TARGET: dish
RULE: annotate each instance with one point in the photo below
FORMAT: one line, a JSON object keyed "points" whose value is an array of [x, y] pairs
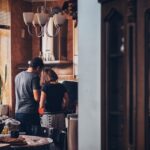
{"points": [[13, 141]]}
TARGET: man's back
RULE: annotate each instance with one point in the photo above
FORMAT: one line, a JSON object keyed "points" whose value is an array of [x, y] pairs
{"points": [[25, 82], [27, 87]]}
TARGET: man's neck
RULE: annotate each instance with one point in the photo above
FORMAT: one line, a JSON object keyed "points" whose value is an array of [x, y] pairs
{"points": [[30, 69]]}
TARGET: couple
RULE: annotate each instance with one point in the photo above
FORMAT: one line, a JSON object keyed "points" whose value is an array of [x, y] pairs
{"points": [[31, 97]]}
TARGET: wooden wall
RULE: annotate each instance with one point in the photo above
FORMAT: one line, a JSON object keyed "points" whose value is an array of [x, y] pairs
{"points": [[5, 66], [25, 47], [65, 72], [21, 48]]}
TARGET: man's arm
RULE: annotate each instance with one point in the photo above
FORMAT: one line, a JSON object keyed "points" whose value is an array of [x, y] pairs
{"points": [[36, 94], [42, 103], [36, 89]]}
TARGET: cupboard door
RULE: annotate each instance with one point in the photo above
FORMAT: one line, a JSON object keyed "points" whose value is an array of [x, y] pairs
{"points": [[125, 74], [147, 77], [115, 78], [143, 65]]}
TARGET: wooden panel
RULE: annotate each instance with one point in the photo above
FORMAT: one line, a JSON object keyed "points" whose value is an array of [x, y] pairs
{"points": [[114, 76], [4, 13], [5, 66], [147, 77], [21, 47], [140, 63], [5, 52], [137, 51], [104, 1], [115, 81]]}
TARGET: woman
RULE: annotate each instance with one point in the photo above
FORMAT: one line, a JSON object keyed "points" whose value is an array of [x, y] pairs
{"points": [[54, 101]]}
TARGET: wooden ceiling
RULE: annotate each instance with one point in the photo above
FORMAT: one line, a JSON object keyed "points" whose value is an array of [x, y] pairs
{"points": [[69, 7]]}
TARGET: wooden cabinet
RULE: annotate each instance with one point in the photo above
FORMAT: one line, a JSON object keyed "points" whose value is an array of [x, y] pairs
{"points": [[54, 49], [58, 52], [115, 77], [118, 101], [147, 78], [125, 74]]}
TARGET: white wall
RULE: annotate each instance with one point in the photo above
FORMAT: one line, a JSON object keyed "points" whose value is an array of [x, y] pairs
{"points": [[89, 74]]}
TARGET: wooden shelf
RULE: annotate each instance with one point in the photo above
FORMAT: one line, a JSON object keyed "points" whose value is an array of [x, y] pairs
{"points": [[58, 62], [62, 63]]}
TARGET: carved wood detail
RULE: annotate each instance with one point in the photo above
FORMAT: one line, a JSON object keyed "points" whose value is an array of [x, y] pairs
{"points": [[104, 1], [147, 77], [131, 12]]}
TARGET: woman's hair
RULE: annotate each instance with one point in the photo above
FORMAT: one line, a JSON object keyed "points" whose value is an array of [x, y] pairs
{"points": [[53, 76]]}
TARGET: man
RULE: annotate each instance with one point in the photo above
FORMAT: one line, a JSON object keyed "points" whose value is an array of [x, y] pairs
{"points": [[27, 91]]}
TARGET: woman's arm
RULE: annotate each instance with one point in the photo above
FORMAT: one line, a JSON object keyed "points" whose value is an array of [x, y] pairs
{"points": [[42, 100]]}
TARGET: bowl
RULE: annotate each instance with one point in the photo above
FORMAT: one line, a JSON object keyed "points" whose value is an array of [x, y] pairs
{"points": [[14, 134], [13, 127], [12, 124]]}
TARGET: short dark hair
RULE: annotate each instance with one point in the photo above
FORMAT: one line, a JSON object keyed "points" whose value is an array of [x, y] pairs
{"points": [[53, 76], [36, 62]]}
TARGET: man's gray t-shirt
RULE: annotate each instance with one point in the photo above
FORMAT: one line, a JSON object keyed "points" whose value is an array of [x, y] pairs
{"points": [[25, 83]]}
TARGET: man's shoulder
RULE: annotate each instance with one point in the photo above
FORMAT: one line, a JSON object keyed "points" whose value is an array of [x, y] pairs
{"points": [[27, 74], [19, 74]]}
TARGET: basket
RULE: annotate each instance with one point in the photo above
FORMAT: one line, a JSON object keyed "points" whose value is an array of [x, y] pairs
{"points": [[46, 120]]}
